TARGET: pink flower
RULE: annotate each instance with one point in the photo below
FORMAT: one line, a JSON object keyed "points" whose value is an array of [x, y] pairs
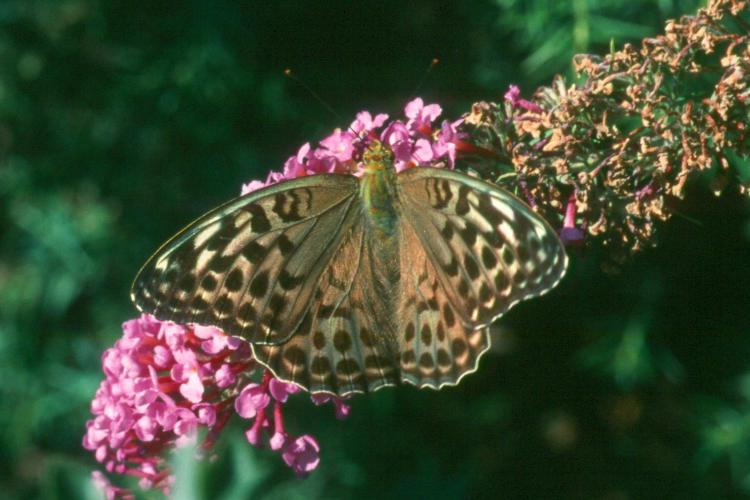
{"points": [[145, 428], [513, 96], [396, 135], [445, 146], [422, 153], [165, 381], [254, 434], [413, 143], [252, 399], [110, 491], [339, 145], [187, 371], [342, 409], [206, 414], [570, 234], [277, 441], [162, 356], [215, 340], [225, 376], [295, 165], [251, 186], [173, 334], [274, 177], [421, 116], [302, 455], [281, 390], [366, 123]]}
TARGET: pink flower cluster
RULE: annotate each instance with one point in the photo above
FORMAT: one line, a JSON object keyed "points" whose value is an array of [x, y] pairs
{"points": [[415, 142], [164, 381]]}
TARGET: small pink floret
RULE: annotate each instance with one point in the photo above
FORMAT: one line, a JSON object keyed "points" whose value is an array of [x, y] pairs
{"points": [[302, 455]]}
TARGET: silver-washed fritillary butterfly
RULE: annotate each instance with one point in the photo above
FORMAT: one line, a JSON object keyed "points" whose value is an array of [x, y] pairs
{"points": [[344, 284]]}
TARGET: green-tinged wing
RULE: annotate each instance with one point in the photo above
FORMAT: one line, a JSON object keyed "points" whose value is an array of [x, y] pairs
{"points": [[251, 266]]}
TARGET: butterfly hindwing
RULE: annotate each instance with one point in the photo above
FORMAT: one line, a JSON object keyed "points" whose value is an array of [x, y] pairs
{"points": [[248, 267], [341, 347], [436, 347]]}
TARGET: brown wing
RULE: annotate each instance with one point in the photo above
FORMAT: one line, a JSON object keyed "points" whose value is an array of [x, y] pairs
{"points": [[437, 348], [342, 345], [250, 266]]}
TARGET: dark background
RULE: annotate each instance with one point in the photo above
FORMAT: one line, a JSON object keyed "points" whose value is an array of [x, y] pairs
{"points": [[121, 121]]}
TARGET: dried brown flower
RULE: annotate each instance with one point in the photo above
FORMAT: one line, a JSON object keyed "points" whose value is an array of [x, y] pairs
{"points": [[619, 145]]}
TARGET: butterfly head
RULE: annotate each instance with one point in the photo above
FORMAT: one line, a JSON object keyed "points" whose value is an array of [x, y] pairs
{"points": [[377, 156]]}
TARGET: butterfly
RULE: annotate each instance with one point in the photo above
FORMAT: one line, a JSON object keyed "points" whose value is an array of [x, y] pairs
{"points": [[345, 284]]}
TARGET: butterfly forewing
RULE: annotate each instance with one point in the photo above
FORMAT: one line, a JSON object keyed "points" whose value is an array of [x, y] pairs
{"points": [[250, 266], [490, 250]]}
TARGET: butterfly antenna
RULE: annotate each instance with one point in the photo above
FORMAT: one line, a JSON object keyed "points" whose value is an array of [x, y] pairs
{"points": [[435, 61], [290, 74]]}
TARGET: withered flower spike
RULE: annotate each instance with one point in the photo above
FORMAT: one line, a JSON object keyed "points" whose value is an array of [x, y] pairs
{"points": [[627, 139]]}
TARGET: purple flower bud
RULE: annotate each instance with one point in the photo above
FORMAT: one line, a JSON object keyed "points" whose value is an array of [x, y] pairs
{"points": [[277, 441], [253, 434], [570, 234], [513, 96], [342, 409]]}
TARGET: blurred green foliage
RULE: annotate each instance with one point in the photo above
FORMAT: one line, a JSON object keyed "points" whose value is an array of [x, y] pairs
{"points": [[121, 121]]}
